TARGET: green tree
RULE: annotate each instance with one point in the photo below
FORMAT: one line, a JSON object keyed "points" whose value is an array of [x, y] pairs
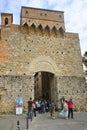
{"points": [[84, 59]]}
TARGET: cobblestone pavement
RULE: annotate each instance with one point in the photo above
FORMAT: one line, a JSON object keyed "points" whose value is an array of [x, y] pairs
{"points": [[44, 122]]}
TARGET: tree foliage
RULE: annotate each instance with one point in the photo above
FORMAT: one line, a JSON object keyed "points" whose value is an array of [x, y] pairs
{"points": [[84, 59]]}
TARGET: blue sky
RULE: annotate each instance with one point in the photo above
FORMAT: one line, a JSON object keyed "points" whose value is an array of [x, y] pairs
{"points": [[75, 14]]}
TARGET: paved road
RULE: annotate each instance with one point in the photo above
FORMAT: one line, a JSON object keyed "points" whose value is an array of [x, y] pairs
{"points": [[44, 122]]}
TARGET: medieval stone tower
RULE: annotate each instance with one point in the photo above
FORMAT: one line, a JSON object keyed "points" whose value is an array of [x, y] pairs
{"points": [[39, 59]]}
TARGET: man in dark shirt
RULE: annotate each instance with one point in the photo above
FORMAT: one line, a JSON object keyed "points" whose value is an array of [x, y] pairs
{"points": [[30, 105]]}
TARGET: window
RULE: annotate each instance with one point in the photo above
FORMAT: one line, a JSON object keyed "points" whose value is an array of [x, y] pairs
{"points": [[6, 21]]}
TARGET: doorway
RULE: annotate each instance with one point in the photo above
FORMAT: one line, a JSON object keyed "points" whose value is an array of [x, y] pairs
{"points": [[44, 85]]}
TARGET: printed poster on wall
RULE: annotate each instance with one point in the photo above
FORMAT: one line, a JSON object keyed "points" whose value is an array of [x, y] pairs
{"points": [[19, 106]]}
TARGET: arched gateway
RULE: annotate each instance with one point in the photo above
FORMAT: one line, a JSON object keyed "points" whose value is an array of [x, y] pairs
{"points": [[44, 71]]}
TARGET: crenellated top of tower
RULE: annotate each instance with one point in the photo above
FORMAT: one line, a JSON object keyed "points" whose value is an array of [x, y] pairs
{"points": [[42, 17]]}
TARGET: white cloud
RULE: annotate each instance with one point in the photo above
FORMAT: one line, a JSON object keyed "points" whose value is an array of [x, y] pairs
{"points": [[76, 21], [75, 13]]}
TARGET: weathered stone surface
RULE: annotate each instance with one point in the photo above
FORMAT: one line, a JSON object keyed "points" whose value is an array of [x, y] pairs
{"points": [[41, 46]]}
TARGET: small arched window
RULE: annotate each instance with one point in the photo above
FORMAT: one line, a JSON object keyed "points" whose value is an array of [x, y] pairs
{"points": [[6, 21], [25, 25], [54, 29], [61, 30], [47, 28], [33, 26], [40, 27]]}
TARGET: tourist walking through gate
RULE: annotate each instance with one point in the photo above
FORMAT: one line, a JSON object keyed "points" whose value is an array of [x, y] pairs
{"points": [[34, 107], [52, 110], [30, 109]]}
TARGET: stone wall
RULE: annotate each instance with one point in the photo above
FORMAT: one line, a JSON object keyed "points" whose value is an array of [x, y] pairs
{"points": [[12, 87], [74, 87], [21, 49]]}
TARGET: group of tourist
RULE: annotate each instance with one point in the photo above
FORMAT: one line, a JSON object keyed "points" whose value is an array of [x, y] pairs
{"points": [[42, 106], [67, 108]]}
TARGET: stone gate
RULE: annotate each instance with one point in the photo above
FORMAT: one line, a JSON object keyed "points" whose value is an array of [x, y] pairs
{"points": [[38, 58]]}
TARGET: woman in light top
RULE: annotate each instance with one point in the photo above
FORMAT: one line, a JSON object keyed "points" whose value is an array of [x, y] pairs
{"points": [[64, 112]]}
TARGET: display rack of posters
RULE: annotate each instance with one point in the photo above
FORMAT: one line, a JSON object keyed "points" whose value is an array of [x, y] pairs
{"points": [[19, 106]]}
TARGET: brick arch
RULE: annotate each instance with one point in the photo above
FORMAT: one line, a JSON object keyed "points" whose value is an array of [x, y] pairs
{"points": [[43, 63]]}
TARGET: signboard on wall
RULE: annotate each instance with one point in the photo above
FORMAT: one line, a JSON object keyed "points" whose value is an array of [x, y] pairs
{"points": [[19, 106]]}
